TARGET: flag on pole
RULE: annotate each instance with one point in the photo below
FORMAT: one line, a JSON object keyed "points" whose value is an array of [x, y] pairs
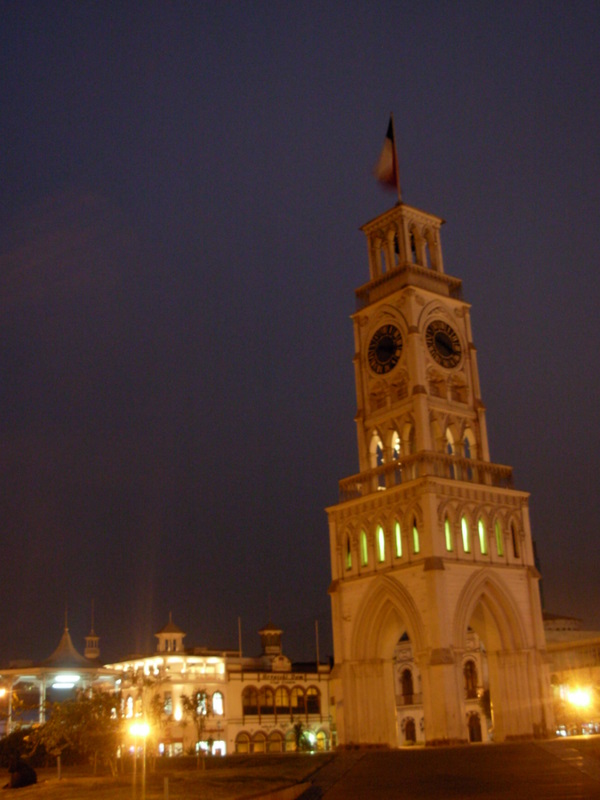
{"points": [[386, 169]]}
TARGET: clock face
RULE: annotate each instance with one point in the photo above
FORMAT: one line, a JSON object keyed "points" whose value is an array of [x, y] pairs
{"points": [[385, 349], [443, 344]]}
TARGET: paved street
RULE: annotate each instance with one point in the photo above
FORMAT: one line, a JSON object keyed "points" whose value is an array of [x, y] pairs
{"points": [[561, 770]]}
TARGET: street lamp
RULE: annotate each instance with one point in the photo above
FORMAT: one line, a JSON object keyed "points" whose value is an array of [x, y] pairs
{"points": [[139, 730], [581, 700]]}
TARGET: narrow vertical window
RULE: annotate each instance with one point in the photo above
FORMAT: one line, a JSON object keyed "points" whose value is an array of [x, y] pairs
{"points": [[515, 540], [464, 527], [348, 553], [380, 543], [482, 537], [499, 547], [398, 539], [416, 543], [364, 552], [448, 535]]}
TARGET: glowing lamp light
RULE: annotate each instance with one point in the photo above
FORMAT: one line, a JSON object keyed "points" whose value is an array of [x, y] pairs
{"points": [[2, 692], [66, 680], [580, 698], [140, 729], [177, 714]]}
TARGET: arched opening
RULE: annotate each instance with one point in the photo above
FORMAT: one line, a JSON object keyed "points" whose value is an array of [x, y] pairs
{"points": [[482, 538], [448, 535], [298, 701], [407, 686], [451, 451], [498, 682], [475, 734], [381, 651], [466, 536], [515, 540], [266, 701], [322, 741], [282, 702], [416, 539], [376, 451], [380, 544], [348, 553], [275, 742], [410, 731], [250, 701], [499, 543], [377, 458], [364, 549], [397, 539], [313, 700], [470, 676]]}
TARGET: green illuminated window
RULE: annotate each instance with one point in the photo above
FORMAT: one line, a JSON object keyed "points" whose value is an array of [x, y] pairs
{"points": [[464, 526], [416, 543], [398, 539], [482, 538], [364, 551], [380, 543], [499, 547], [448, 534]]}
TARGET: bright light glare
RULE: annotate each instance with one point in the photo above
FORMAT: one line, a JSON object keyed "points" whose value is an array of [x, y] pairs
{"points": [[63, 685], [141, 729], [67, 678], [579, 697], [2, 692], [177, 714]]}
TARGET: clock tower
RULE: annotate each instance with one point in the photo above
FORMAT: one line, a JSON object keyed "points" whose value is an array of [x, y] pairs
{"points": [[430, 542]]}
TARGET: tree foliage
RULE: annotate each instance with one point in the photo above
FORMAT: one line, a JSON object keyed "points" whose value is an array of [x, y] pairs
{"points": [[87, 725], [196, 708]]}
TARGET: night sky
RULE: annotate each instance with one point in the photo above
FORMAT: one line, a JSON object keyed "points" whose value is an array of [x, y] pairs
{"points": [[181, 190]]}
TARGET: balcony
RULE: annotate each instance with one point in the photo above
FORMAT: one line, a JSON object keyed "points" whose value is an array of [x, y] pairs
{"points": [[409, 699], [422, 465], [404, 275]]}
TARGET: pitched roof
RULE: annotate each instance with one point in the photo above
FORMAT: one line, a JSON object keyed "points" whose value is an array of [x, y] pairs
{"points": [[66, 655]]}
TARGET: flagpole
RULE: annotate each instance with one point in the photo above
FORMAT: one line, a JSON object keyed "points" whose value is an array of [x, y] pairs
{"points": [[395, 159]]}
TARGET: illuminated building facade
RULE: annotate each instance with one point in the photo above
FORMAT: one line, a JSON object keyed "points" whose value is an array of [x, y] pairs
{"points": [[27, 688], [575, 664], [430, 543], [243, 704]]}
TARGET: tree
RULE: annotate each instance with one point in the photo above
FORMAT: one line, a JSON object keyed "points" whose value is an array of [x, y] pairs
{"points": [[300, 737], [87, 724], [196, 709]]}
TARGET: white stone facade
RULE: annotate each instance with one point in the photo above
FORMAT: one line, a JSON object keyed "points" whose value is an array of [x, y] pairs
{"points": [[430, 540]]}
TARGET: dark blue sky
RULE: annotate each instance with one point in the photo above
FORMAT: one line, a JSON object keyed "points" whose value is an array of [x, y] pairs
{"points": [[182, 186]]}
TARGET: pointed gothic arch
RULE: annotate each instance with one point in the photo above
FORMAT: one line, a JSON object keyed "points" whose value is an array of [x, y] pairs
{"points": [[387, 609], [485, 591]]}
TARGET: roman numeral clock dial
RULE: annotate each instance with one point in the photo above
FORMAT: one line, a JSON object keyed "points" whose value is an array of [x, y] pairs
{"points": [[443, 344], [385, 349]]}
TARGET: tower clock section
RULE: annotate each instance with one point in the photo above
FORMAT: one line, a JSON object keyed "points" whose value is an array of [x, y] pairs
{"points": [[415, 364]]}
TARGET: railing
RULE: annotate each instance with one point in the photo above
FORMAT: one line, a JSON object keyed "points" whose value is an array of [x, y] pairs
{"points": [[407, 274], [421, 465], [409, 699]]}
